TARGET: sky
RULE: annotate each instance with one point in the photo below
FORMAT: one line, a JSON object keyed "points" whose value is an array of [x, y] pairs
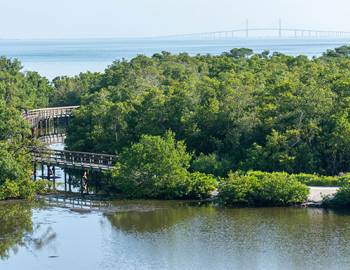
{"points": [[44, 19]]}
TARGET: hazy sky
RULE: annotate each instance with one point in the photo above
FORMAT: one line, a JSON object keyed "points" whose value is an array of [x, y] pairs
{"points": [[125, 18]]}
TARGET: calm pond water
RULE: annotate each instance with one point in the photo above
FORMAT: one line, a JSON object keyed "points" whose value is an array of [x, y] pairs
{"points": [[171, 235]]}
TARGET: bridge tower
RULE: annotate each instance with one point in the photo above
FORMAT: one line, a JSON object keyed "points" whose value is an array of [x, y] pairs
{"points": [[247, 28], [279, 28]]}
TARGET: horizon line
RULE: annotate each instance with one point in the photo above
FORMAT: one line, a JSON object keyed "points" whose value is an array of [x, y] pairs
{"points": [[237, 30]]}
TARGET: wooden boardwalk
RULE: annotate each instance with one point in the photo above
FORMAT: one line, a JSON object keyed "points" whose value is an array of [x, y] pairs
{"points": [[62, 158], [53, 139], [34, 117], [74, 159]]}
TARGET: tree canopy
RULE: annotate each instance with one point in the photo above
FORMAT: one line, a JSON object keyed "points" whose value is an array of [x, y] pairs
{"points": [[270, 112], [18, 91]]}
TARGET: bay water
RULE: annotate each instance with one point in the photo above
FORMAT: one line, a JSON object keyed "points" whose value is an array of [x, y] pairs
{"points": [[52, 58]]}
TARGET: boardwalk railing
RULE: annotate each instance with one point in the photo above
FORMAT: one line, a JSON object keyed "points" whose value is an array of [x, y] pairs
{"points": [[72, 159], [54, 138], [35, 116], [63, 158]]}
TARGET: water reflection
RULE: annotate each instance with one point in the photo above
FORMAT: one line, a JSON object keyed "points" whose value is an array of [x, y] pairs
{"points": [[17, 229], [211, 238], [172, 235], [153, 216]]}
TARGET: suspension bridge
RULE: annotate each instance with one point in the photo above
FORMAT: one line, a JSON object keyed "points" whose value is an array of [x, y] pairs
{"points": [[262, 32]]}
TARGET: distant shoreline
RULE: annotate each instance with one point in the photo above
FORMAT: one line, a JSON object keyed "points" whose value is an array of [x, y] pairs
{"points": [[70, 57]]}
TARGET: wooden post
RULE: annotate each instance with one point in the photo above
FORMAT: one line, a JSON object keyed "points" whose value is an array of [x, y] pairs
{"points": [[39, 128], [69, 181], [54, 177], [81, 185], [65, 181], [94, 175], [48, 172], [54, 120], [42, 171], [34, 170], [88, 178], [57, 124], [49, 126]]}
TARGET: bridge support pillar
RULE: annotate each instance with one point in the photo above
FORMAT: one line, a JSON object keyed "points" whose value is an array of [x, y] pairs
{"points": [[54, 178], [34, 171], [54, 120], [94, 176], [65, 181], [81, 186], [39, 128], [42, 171], [48, 126], [69, 181]]}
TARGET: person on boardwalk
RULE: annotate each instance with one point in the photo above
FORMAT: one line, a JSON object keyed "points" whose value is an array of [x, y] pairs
{"points": [[85, 181], [50, 174]]}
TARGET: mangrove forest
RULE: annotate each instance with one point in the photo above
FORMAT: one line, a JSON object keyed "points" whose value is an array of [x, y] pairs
{"points": [[256, 127]]}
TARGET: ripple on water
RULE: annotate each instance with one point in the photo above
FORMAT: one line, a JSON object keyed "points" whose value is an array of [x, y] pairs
{"points": [[173, 235]]}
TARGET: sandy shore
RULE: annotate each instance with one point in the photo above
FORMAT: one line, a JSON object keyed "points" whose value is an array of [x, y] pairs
{"points": [[316, 193]]}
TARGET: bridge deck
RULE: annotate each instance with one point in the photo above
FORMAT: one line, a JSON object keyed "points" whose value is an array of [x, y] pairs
{"points": [[62, 158], [35, 116], [72, 159]]}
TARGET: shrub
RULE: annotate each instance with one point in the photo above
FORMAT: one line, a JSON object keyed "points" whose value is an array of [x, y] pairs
{"points": [[262, 189], [42, 186], [25, 189], [155, 167], [319, 180], [9, 190], [309, 179], [200, 185], [340, 200]]}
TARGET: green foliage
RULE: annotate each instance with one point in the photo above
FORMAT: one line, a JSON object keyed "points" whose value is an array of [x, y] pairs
{"points": [[15, 165], [68, 91], [42, 186], [309, 179], [343, 51], [22, 189], [200, 185], [235, 111], [18, 91], [240, 53], [22, 90], [157, 167], [262, 189], [153, 168], [9, 190], [210, 164], [320, 180], [340, 200]]}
